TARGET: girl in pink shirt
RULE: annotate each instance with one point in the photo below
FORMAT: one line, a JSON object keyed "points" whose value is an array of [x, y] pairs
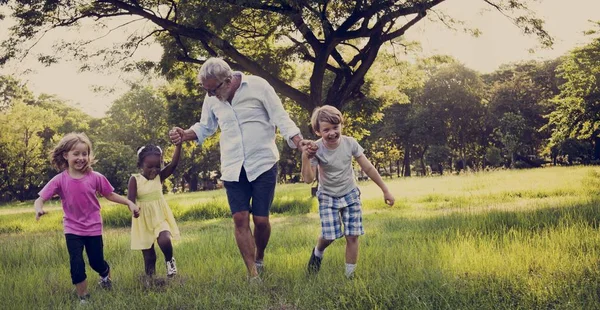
{"points": [[77, 186]]}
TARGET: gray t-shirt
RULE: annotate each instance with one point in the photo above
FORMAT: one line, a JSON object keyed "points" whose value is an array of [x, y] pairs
{"points": [[336, 176]]}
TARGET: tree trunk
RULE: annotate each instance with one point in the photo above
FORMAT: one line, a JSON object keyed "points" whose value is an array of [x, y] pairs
{"points": [[406, 163], [194, 182], [462, 158], [422, 159], [597, 147], [512, 160]]}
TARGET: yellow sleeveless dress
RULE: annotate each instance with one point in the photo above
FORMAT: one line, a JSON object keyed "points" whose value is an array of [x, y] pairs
{"points": [[155, 214]]}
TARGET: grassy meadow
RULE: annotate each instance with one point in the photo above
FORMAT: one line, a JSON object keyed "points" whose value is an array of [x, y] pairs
{"points": [[524, 239]]}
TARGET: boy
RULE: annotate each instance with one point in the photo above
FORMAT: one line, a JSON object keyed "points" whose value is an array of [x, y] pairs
{"points": [[338, 193]]}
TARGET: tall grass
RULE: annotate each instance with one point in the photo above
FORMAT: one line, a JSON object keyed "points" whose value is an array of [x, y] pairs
{"points": [[500, 240]]}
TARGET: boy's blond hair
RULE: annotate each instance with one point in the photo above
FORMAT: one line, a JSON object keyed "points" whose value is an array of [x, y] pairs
{"points": [[67, 143], [326, 113]]}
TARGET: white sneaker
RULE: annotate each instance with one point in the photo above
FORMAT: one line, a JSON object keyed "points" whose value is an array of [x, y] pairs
{"points": [[171, 268]]}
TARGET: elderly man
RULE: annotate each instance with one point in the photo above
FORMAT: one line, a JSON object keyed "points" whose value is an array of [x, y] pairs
{"points": [[247, 109]]}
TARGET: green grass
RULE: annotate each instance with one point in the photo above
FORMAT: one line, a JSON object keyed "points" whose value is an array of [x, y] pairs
{"points": [[523, 239]]}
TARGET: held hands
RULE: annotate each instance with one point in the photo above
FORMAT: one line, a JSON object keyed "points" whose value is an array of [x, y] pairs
{"points": [[309, 148], [176, 135], [134, 210], [389, 198]]}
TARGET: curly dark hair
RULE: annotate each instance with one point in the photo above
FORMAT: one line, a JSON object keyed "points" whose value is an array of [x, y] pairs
{"points": [[145, 151]]}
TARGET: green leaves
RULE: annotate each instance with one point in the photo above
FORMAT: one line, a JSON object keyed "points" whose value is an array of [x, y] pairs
{"points": [[24, 148], [577, 113]]}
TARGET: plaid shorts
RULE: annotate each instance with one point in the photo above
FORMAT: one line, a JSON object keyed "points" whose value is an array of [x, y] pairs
{"points": [[335, 210]]}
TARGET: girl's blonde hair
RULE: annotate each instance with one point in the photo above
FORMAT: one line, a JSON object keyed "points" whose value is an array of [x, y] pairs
{"points": [[67, 143], [326, 113]]}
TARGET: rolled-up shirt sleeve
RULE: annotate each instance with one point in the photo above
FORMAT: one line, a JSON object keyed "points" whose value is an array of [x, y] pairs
{"points": [[279, 116], [207, 126]]}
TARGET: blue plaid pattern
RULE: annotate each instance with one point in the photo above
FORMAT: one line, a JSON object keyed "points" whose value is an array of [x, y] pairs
{"points": [[334, 211]]}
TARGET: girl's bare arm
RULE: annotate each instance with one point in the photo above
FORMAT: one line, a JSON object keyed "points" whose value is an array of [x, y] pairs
{"points": [[170, 168]]}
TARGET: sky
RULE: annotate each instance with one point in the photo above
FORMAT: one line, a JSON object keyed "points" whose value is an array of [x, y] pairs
{"points": [[500, 42]]}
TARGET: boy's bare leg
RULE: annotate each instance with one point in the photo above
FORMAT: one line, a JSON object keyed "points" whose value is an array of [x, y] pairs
{"points": [[322, 244], [351, 255], [314, 263], [351, 249]]}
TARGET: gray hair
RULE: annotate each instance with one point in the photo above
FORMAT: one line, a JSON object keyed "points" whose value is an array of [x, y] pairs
{"points": [[215, 68]]}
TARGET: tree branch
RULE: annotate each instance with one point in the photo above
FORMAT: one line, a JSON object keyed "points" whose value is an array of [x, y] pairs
{"points": [[137, 44], [367, 32], [402, 30], [263, 7], [111, 30]]}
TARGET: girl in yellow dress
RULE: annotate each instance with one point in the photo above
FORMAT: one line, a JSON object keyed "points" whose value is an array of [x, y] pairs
{"points": [[156, 221]]}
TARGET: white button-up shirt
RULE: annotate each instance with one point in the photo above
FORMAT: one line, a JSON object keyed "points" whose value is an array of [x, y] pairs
{"points": [[247, 128]]}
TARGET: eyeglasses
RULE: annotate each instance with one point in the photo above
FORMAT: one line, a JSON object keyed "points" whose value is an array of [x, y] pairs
{"points": [[213, 92]]}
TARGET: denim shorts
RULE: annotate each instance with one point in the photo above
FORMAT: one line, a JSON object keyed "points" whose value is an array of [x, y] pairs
{"points": [[333, 211], [255, 197]]}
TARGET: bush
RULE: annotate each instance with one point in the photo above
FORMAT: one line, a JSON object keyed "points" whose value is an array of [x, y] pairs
{"points": [[493, 155], [519, 164]]}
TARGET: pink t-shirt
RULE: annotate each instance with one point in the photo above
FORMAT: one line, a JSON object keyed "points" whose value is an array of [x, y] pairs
{"points": [[79, 201]]}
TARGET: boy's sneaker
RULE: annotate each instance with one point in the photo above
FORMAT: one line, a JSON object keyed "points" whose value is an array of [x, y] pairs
{"points": [[105, 283], [314, 264], [171, 268]]}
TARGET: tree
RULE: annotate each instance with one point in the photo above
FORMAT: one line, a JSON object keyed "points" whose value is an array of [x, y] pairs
{"points": [[340, 39], [523, 89], [12, 90], [116, 161], [408, 122], [577, 113], [198, 164], [138, 118], [455, 95], [24, 156], [72, 119], [510, 133], [437, 157]]}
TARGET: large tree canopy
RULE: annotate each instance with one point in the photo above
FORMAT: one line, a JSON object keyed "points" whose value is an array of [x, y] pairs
{"points": [[577, 111], [340, 39]]}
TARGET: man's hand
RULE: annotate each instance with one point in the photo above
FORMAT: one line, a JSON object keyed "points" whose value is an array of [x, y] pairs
{"points": [[176, 135]]}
